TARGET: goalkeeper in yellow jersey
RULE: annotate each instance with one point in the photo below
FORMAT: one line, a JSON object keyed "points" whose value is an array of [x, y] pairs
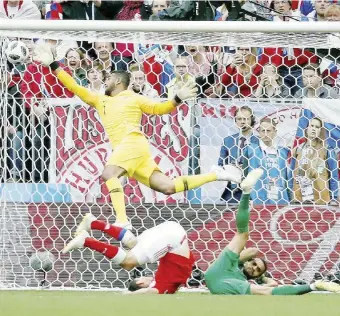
{"points": [[120, 112]]}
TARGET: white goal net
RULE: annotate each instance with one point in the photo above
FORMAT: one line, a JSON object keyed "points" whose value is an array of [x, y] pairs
{"points": [[267, 98]]}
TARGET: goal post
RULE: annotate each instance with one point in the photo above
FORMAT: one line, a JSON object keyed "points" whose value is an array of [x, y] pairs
{"points": [[311, 34], [52, 157]]}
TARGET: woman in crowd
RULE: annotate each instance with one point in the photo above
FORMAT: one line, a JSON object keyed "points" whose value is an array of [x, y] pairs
{"points": [[314, 167], [95, 77], [198, 63], [283, 11]]}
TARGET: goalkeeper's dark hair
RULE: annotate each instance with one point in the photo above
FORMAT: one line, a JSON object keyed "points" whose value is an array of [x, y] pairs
{"points": [[123, 75], [133, 286]]}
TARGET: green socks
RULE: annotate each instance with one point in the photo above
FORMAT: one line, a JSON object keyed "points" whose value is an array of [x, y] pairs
{"points": [[242, 216]]}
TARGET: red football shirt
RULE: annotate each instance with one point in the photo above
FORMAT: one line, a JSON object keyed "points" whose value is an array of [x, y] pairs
{"points": [[173, 271]]}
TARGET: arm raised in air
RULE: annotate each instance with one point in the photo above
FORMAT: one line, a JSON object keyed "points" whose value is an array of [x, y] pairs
{"points": [[44, 54]]}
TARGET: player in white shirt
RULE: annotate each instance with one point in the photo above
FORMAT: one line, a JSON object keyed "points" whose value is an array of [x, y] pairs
{"points": [[166, 243]]}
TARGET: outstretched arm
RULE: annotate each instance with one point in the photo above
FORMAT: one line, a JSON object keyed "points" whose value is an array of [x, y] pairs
{"points": [[44, 54], [89, 97], [148, 106]]}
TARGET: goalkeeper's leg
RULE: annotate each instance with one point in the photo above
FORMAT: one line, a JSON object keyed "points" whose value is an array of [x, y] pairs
{"points": [[111, 175], [161, 183]]}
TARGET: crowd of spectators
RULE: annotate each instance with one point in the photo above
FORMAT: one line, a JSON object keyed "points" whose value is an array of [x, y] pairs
{"points": [[159, 70]]}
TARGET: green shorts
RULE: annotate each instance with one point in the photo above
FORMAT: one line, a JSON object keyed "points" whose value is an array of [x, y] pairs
{"points": [[224, 276]]}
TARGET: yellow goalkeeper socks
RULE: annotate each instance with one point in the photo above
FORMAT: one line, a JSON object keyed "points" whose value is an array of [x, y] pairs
{"points": [[117, 199], [186, 183]]}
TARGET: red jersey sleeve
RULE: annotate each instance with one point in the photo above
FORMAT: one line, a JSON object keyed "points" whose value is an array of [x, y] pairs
{"points": [[173, 272]]}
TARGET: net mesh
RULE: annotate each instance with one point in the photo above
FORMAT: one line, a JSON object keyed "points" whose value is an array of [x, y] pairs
{"points": [[253, 110]]}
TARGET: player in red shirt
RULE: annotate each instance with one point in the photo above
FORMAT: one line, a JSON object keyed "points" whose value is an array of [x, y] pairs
{"points": [[166, 243]]}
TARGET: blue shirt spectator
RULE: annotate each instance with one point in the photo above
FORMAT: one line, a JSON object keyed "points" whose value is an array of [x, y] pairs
{"points": [[233, 146], [273, 188]]}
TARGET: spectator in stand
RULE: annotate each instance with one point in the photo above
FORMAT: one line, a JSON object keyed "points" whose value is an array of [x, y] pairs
{"points": [[313, 85], [332, 13], [182, 76], [103, 53], [233, 146], [42, 5], [83, 10], [241, 76], [39, 83], [314, 11], [75, 59], [158, 66], [95, 77], [198, 63], [189, 11], [123, 53], [314, 167], [200, 67], [236, 10], [140, 85], [270, 84], [290, 62], [157, 59], [273, 187], [157, 6], [282, 11], [19, 10]]}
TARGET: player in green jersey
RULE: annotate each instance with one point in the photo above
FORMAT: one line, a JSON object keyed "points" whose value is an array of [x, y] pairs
{"points": [[230, 273]]}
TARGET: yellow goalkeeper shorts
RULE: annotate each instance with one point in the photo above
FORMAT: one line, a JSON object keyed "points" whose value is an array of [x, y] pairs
{"points": [[134, 156]]}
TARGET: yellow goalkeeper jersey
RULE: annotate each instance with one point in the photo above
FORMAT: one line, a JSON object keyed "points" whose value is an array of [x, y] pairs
{"points": [[121, 114]]}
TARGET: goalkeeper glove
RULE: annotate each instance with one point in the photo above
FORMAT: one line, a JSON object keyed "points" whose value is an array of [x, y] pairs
{"points": [[188, 91], [44, 54]]}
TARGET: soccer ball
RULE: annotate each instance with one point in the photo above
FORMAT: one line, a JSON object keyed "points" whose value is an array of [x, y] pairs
{"points": [[17, 52], [42, 261]]}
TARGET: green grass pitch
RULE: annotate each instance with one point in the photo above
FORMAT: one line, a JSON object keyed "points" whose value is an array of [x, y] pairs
{"points": [[59, 303]]}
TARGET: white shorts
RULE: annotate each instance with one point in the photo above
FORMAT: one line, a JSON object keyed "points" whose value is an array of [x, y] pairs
{"points": [[156, 242]]}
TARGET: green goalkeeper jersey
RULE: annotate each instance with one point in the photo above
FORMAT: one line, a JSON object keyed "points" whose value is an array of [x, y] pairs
{"points": [[225, 275]]}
